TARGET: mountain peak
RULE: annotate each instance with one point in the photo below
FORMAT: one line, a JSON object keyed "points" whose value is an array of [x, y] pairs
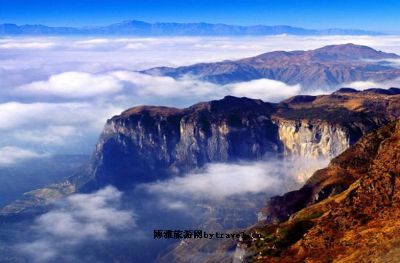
{"points": [[353, 50]]}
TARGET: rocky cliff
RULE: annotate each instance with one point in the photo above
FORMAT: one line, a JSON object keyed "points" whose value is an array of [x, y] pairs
{"points": [[312, 139], [347, 212], [147, 143]]}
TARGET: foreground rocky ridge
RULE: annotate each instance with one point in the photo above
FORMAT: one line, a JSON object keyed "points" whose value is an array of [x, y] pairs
{"points": [[347, 212]]}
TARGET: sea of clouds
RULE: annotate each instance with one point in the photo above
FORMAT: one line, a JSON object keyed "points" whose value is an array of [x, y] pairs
{"points": [[229, 194], [74, 221], [56, 93]]}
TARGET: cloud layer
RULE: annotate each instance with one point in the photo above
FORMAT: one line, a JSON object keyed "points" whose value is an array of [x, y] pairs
{"points": [[79, 218], [78, 83], [362, 85], [73, 85], [264, 89], [221, 180], [10, 155]]}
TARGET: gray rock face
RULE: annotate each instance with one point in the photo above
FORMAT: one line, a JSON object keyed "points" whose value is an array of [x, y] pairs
{"points": [[150, 143], [313, 139]]}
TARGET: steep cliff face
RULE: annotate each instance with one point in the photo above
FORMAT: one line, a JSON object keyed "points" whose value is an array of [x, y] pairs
{"points": [[312, 139], [353, 219], [339, 175], [148, 143]]}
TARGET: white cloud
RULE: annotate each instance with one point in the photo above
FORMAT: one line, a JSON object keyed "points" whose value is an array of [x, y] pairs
{"points": [[15, 114], [55, 127], [73, 85], [77, 219], [93, 41], [264, 89], [197, 90], [219, 181], [26, 45], [51, 135], [149, 86], [136, 46], [175, 51], [150, 89], [40, 250], [362, 85], [10, 155]]}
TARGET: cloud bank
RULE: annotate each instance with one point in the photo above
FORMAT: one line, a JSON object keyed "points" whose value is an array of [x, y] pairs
{"points": [[264, 89], [78, 219], [362, 85], [10, 155], [73, 85], [222, 180], [50, 82]]}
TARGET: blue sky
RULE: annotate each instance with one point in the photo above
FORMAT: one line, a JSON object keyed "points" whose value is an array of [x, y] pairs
{"points": [[367, 14]]}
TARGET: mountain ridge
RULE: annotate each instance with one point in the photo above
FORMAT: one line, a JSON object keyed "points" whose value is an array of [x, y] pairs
{"points": [[135, 27], [322, 68]]}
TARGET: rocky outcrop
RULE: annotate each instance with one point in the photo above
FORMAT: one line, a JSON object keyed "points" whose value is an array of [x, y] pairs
{"points": [[148, 143], [347, 212], [312, 139]]}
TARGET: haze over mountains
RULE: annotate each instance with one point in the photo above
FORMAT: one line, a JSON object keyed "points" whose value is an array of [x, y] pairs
{"points": [[134, 27], [322, 68]]}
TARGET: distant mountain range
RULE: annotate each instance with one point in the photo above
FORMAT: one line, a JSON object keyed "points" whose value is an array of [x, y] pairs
{"points": [[141, 28], [326, 67]]}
